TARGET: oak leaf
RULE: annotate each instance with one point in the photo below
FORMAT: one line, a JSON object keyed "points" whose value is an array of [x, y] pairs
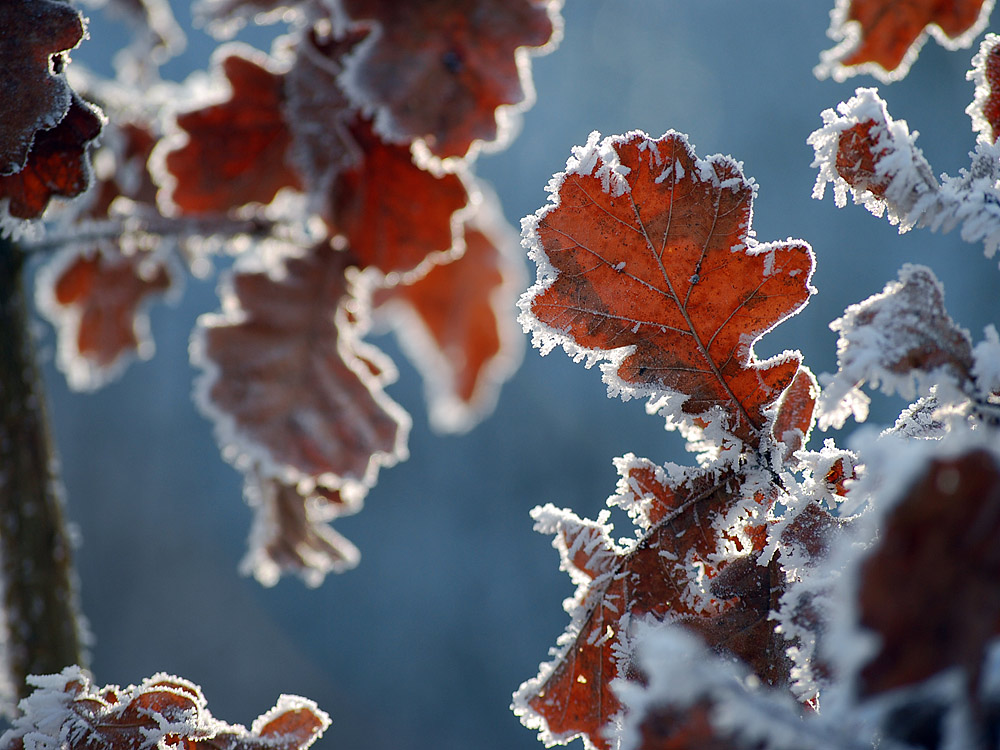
{"points": [[795, 412], [928, 586], [287, 380], [397, 218], [690, 526], [440, 70], [58, 164], [67, 710], [646, 258], [985, 107], [454, 323], [34, 93], [291, 532], [236, 151], [884, 37], [96, 300]]}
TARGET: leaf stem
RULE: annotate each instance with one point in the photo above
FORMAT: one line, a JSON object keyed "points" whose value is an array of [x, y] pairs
{"points": [[44, 632]]}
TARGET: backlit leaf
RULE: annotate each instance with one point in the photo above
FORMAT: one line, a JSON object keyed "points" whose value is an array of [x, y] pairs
{"points": [[33, 90], [397, 217], [646, 258], [96, 300], [456, 322], [67, 710], [287, 380], [985, 107], [58, 164], [236, 151], [884, 37], [796, 412], [438, 70]]}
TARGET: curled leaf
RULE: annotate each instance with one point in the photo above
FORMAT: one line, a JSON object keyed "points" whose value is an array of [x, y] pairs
{"points": [[35, 94], [287, 380]]}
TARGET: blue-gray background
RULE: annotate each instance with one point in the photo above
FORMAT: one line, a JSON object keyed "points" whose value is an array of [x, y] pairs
{"points": [[456, 600]]}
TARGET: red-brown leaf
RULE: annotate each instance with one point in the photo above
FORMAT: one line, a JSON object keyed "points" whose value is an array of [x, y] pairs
{"points": [[438, 70], [285, 382], [883, 37], [396, 216], [453, 323], [929, 588], [658, 576], [858, 153], [649, 248], [66, 710], [58, 163], [985, 108], [96, 300], [796, 413], [291, 532], [34, 99], [236, 151]]}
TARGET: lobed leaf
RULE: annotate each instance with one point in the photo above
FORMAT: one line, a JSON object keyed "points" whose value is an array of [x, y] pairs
{"points": [[57, 165], [235, 152], [902, 339], [454, 323], [646, 258], [884, 37], [440, 70], [694, 528], [287, 381], [67, 710], [35, 94], [96, 300]]}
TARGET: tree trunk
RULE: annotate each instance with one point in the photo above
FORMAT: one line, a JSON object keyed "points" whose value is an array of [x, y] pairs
{"points": [[40, 600]]}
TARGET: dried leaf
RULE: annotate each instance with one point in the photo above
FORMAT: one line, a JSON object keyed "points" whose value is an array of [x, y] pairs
{"points": [[985, 107], [928, 588], [884, 37], [96, 301], [58, 163], [287, 380], [796, 412], [902, 339], [439, 70], [688, 524], [397, 217], [66, 710], [647, 259], [35, 94], [455, 323], [291, 532], [236, 151]]}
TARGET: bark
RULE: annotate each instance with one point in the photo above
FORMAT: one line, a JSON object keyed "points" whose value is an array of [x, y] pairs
{"points": [[39, 591]]}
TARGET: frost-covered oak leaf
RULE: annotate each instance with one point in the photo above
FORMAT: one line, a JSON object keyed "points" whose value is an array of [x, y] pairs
{"points": [[291, 532], [795, 413], [928, 587], [397, 218], [884, 37], [96, 300], [693, 528], [985, 107], [66, 710], [646, 258], [288, 382], [902, 339], [440, 69], [33, 90], [456, 323], [58, 164], [234, 152]]}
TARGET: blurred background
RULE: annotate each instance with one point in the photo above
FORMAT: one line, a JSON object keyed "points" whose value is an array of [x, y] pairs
{"points": [[456, 600]]}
